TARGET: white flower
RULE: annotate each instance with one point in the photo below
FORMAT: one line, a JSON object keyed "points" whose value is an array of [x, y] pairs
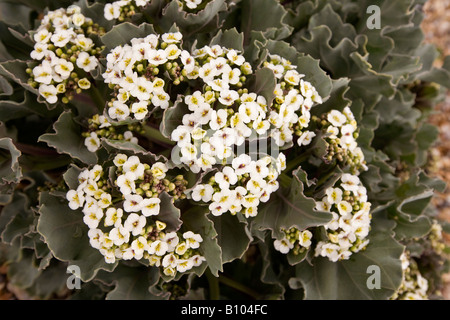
{"points": [[119, 111], [235, 58], [170, 260], [228, 97], [193, 240], [187, 60], [92, 142], [226, 177], [172, 240], [181, 135], [150, 207], [113, 217], [181, 248], [304, 238], [135, 224], [336, 118], [134, 165], [344, 207], [40, 50], [218, 119], [126, 183], [43, 73], [197, 260], [159, 170], [172, 37], [217, 209], [350, 182], [250, 200], [202, 192], [231, 76], [157, 57], [49, 92], [283, 245], [192, 4], [184, 265], [161, 99], [92, 218], [86, 62], [61, 37], [75, 198], [334, 195], [139, 245], [139, 109], [111, 11], [96, 237], [132, 203], [241, 164], [158, 247], [105, 200], [42, 36], [207, 72], [119, 235], [306, 138], [142, 89], [120, 159]]}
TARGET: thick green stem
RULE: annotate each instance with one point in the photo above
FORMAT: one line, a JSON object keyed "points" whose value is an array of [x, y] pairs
{"points": [[213, 282], [238, 286], [155, 135], [97, 98]]}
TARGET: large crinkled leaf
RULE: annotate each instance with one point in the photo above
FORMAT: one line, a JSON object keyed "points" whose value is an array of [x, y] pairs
{"points": [[266, 16], [192, 23], [10, 171], [172, 117], [289, 208], [121, 34], [66, 236], [24, 272], [168, 213], [347, 279], [197, 221], [130, 283], [67, 139], [229, 39], [263, 83], [19, 217], [233, 236]]}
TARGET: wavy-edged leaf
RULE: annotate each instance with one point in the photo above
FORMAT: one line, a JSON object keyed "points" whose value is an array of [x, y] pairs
{"points": [[347, 279], [289, 208], [19, 217], [67, 139], [230, 38], [66, 236], [196, 220], [122, 34], [168, 213]]}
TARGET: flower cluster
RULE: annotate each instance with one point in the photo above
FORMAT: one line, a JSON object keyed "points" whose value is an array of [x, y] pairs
{"points": [[341, 132], [122, 227], [295, 240], [240, 188], [294, 98], [100, 127], [123, 9], [347, 231], [66, 54], [132, 70], [414, 286]]}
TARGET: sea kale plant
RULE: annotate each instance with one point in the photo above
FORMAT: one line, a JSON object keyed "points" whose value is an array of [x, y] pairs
{"points": [[219, 149]]}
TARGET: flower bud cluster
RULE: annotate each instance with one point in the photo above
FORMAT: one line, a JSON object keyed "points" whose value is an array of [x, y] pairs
{"points": [[122, 214], [100, 127], [123, 9], [414, 286], [341, 132], [66, 55], [140, 74], [241, 187], [294, 241], [348, 230]]}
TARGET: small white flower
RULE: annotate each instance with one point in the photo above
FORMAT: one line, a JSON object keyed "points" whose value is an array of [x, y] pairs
{"points": [[158, 247], [161, 99], [293, 77], [150, 207], [202, 192], [159, 170], [193, 240], [344, 207], [42, 36], [192, 4], [139, 109], [111, 11], [133, 164], [172, 37], [61, 37], [142, 89], [172, 240], [126, 183], [139, 245], [283, 245], [40, 50], [49, 92], [350, 182], [184, 265], [92, 142], [96, 238], [241, 164], [334, 195], [120, 159], [157, 57], [228, 97], [170, 260], [305, 238], [113, 217], [75, 198], [306, 138], [119, 235], [226, 177], [86, 62], [92, 218], [235, 58], [336, 118], [197, 260], [135, 224], [119, 111], [132, 203], [218, 119]]}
